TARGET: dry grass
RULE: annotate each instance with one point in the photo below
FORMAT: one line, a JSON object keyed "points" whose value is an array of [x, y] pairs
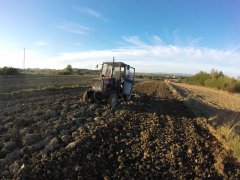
{"points": [[232, 140]]}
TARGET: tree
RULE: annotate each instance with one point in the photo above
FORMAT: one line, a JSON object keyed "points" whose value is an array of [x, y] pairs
{"points": [[215, 74], [68, 69], [8, 71]]}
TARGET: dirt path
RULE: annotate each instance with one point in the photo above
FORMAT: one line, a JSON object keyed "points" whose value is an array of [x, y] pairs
{"points": [[153, 136]]}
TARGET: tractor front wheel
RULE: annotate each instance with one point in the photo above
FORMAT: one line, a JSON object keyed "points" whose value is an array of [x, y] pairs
{"points": [[129, 96], [113, 100]]}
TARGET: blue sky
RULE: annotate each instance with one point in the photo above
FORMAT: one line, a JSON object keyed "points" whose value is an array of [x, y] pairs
{"points": [[154, 36]]}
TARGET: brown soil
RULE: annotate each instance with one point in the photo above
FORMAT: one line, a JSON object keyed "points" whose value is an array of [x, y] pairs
{"points": [[15, 83], [54, 135]]}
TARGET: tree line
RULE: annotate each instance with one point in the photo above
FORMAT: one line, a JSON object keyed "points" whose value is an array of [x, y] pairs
{"points": [[66, 71], [214, 79], [8, 71]]}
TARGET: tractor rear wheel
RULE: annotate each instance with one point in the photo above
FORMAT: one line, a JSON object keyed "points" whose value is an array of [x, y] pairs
{"points": [[113, 100], [87, 97]]}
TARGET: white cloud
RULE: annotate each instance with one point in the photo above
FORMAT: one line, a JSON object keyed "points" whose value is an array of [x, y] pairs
{"points": [[157, 40], [90, 12], [74, 28], [145, 57], [11, 57], [40, 43], [78, 44], [33, 59], [159, 58], [194, 41], [134, 40]]}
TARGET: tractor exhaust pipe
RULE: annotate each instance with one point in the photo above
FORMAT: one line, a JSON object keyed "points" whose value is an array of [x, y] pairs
{"points": [[112, 67]]}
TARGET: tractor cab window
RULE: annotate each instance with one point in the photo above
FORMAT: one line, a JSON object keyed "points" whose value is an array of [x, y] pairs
{"points": [[129, 73], [116, 72], [107, 70]]}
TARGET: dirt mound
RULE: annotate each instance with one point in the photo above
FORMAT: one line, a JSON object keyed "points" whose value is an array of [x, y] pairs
{"points": [[57, 136]]}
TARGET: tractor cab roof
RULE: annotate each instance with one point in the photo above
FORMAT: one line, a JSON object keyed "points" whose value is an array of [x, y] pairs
{"points": [[117, 64]]}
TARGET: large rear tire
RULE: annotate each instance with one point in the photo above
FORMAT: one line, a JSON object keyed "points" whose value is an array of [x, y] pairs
{"points": [[113, 100], [87, 97]]}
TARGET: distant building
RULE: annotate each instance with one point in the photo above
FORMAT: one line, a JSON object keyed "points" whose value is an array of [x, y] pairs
{"points": [[176, 80]]}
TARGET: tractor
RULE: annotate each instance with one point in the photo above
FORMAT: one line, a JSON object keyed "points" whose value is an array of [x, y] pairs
{"points": [[116, 81]]}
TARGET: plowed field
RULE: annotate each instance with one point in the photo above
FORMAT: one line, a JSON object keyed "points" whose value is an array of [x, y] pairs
{"points": [[10, 84], [221, 108], [54, 135]]}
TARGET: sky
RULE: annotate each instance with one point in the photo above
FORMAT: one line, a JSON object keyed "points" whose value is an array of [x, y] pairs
{"points": [[164, 36]]}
